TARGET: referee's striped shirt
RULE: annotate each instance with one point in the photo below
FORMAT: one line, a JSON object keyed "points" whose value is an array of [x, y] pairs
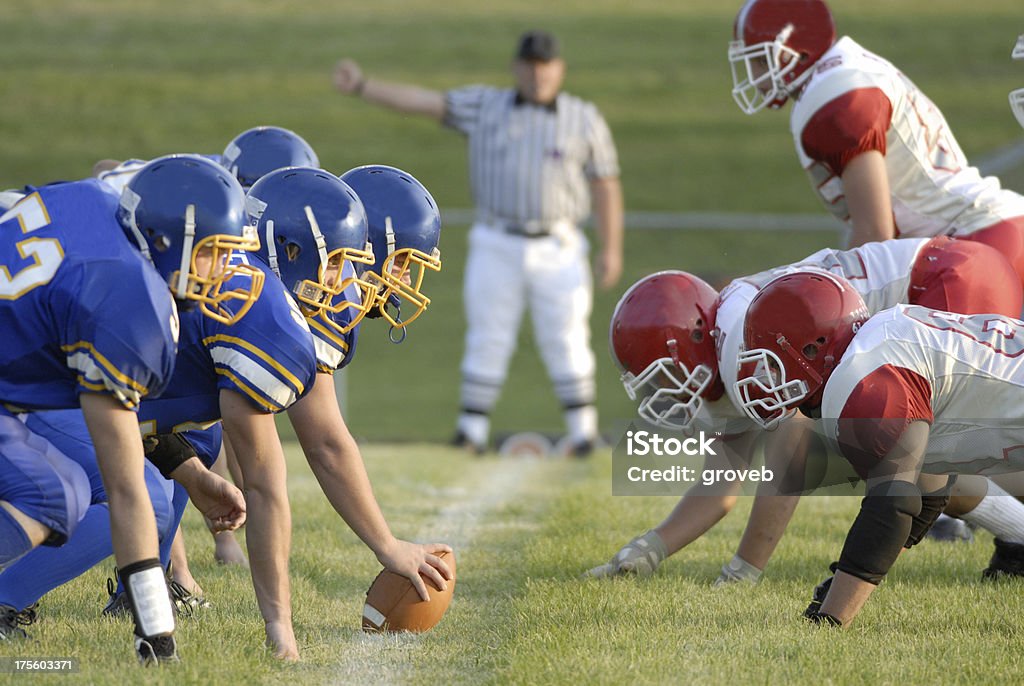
{"points": [[531, 162]]}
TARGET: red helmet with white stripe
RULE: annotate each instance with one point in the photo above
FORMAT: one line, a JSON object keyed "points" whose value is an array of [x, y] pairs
{"points": [[775, 44], [660, 337], [795, 333]]}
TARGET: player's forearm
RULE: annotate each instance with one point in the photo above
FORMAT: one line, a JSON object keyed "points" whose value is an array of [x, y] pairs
{"points": [[343, 478], [608, 213], [700, 509], [868, 199], [404, 98], [118, 445], [769, 518], [269, 543]]}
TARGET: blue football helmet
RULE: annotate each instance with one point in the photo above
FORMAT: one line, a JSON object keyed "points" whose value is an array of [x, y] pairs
{"points": [[187, 214], [405, 227], [310, 224], [259, 151]]}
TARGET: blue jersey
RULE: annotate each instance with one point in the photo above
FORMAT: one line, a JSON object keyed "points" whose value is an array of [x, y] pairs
{"points": [[267, 357], [81, 310]]}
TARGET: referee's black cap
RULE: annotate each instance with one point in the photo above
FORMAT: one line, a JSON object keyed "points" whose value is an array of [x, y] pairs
{"points": [[538, 46]]}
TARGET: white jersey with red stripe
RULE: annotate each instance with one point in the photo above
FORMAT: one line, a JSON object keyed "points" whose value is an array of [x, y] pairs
{"points": [[962, 373], [879, 271], [855, 102]]}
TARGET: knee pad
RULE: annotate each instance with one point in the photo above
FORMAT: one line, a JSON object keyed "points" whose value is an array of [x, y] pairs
{"points": [[932, 505], [880, 530]]}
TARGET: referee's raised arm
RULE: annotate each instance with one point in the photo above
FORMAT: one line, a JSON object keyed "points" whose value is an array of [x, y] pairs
{"points": [[350, 80]]}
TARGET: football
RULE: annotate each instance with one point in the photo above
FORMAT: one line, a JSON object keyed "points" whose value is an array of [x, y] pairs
{"points": [[392, 603]]}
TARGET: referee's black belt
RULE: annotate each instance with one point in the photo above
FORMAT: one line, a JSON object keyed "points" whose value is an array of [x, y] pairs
{"points": [[528, 229]]}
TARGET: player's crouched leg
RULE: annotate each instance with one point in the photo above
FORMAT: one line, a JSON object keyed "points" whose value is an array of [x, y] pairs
{"points": [[43, 496]]}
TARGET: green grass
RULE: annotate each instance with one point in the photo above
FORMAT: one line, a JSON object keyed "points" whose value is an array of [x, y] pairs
{"points": [[523, 531], [87, 79]]}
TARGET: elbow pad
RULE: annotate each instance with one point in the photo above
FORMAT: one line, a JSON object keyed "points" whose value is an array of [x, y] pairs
{"points": [[880, 530]]}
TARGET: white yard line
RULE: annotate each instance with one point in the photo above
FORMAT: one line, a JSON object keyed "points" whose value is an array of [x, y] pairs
{"points": [[388, 658]]}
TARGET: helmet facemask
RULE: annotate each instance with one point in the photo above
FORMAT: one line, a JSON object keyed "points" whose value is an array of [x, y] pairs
{"points": [[761, 80], [401, 276], [766, 395], [344, 269], [669, 393], [207, 265]]}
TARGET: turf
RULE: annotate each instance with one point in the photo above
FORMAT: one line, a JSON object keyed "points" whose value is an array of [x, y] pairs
{"points": [[523, 531]]}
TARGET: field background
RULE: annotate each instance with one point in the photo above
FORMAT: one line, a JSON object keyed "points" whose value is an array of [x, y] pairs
{"points": [[88, 79], [85, 79]]}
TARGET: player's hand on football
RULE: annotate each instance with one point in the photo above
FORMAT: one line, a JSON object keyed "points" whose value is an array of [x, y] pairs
{"points": [[348, 76], [608, 268], [413, 559]]}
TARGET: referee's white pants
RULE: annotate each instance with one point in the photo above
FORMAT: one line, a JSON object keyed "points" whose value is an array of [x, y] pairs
{"points": [[505, 272]]}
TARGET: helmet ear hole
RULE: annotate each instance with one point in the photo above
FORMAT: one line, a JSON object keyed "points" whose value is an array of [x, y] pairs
{"points": [[697, 336], [292, 250], [810, 351], [161, 243]]}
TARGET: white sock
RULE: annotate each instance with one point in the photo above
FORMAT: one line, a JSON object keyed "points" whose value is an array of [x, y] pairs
{"points": [[581, 424], [1000, 514], [475, 427]]}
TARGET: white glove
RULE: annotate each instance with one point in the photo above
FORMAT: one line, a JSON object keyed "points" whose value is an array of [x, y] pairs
{"points": [[639, 557], [738, 569]]}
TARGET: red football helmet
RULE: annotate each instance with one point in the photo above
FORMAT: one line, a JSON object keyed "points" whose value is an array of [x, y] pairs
{"points": [[795, 332], [660, 336], [775, 44]]}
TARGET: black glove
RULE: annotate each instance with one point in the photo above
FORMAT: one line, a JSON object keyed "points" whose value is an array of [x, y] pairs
{"points": [[820, 591]]}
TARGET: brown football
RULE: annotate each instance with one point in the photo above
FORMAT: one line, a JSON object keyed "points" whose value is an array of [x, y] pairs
{"points": [[392, 603]]}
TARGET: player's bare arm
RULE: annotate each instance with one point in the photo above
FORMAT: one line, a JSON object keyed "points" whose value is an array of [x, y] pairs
{"points": [[118, 443], [608, 219], [335, 460], [350, 80], [261, 459], [785, 453], [869, 199]]}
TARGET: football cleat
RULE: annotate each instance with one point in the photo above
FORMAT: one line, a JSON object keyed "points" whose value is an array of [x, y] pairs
{"points": [[461, 440], [156, 650], [186, 603], [117, 602], [1007, 561], [640, 557], [12, 620]]}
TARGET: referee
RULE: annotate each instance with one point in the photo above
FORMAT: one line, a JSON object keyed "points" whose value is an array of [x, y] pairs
{"points": [[540, 160]]}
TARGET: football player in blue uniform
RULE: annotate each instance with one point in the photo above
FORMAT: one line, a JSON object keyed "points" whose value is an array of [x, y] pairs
{"points": [[303, 217], [90, 325], [248, 156]]}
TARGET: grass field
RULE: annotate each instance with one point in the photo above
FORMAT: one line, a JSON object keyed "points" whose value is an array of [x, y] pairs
{"points": [[523, 531]]}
